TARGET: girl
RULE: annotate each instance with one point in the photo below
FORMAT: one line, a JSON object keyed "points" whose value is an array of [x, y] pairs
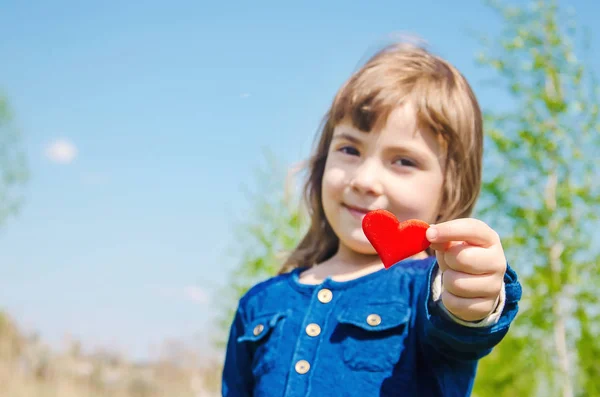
{"points": [[403, 134]]}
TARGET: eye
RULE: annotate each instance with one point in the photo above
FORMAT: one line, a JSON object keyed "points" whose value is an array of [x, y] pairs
{"points": [[405, 162], [349, 150]]}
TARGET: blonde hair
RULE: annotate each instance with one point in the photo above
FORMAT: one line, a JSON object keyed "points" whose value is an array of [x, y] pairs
{"points": [[445, 104]]}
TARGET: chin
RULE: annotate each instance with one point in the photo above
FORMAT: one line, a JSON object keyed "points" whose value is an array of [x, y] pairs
{"points": [[366, 250], [360, 245]]}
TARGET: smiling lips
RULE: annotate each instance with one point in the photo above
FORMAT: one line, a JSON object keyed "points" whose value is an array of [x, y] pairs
{"points": [[357, 212]]}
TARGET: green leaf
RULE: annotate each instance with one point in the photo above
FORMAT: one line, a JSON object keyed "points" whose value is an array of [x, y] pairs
{"points": [[547, 228]]}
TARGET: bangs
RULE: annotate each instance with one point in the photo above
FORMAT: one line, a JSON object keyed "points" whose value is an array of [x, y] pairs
{"points": [[369, 97], [367, 100]]}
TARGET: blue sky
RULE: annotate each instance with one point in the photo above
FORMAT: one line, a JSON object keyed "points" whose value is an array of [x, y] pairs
{"points": [[141, 122]]}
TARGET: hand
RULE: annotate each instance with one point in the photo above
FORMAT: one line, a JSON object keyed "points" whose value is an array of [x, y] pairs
{"points": [[472, 262]]}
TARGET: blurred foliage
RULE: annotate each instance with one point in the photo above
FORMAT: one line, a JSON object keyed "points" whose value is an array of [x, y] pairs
{"points": [[541, 193], [29, 368], [13, 164]]}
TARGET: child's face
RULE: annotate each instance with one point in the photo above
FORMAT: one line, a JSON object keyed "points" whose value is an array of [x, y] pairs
{"points": [[398, 168]]}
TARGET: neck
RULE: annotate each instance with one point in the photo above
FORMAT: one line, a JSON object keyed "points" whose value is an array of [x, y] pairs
{"points": [[353, 260], [345, 265]]}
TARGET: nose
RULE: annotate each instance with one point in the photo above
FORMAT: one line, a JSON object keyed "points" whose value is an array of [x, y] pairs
{"points": [[366, 178]]}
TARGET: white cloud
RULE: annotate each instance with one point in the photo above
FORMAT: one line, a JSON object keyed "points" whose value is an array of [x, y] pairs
{"points": [[61, 151], [244, 95]]}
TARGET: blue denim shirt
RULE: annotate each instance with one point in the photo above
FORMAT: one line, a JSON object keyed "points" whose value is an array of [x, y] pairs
{"points": [[378, 335]]}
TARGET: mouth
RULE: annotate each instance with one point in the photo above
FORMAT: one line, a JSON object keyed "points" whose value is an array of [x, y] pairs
{"points": [[357, 212]]}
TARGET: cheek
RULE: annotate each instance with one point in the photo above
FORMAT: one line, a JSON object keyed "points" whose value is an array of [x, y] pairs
{"points": [[333, 181], [432, 187], [419, 198]]}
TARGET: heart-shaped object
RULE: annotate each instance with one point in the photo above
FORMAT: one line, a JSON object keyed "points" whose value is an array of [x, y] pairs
{"points": [[394, 240]]}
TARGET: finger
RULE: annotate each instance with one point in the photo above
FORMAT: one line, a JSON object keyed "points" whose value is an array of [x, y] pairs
{"points": [[468, 309], [465, 285], [471, 259], [439, 253], [445, 246], [441, 246], [471, 230]]}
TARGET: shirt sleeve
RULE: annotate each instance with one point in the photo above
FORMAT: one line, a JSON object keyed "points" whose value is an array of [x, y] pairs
{"points": [[237, 380], [451, 339]]}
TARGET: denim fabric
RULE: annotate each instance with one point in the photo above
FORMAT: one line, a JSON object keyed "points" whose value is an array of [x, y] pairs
{"points": [[380, 335]]}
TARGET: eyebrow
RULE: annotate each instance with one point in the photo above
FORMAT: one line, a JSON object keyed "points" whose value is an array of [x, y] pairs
{"points": [[348, 137]]}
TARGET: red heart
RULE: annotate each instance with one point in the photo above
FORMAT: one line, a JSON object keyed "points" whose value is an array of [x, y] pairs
{"points": [[394, 241]]}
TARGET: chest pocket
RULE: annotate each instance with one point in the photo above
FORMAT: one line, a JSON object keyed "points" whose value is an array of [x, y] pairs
{"points": [[374, 334], [263, 335]]}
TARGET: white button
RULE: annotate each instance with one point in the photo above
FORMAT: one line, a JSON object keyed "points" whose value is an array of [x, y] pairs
{"points": [[313, 329], [325, 295], [258, 329], [373, 320], [302, 367]]}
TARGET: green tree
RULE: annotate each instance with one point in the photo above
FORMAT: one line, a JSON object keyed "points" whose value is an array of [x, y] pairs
{"points": [[13, 174], [13, 169], [542, 193]]}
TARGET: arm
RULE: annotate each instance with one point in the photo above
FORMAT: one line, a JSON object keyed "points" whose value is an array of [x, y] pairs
{"points": [[437, 288], [237, 374], [449, 337], [475, 278]]}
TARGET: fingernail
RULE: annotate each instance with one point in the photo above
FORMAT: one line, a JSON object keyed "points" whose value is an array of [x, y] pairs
{"points": [[432, 233]]}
